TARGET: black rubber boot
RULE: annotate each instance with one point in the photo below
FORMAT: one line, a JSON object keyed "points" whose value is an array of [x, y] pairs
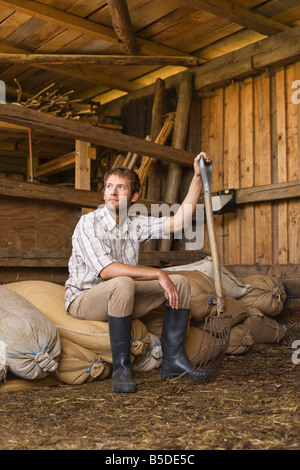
{"points": [[120, 337], [175, 361]]}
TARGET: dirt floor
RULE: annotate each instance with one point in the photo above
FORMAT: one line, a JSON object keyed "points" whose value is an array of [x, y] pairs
{"points": [[253, 404]]}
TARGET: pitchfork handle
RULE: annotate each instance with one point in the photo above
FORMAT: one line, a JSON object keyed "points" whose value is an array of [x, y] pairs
{"points": [[206, 172]]}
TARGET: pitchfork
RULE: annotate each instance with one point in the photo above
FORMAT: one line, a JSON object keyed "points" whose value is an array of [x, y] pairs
{"points": [[218, 327]]}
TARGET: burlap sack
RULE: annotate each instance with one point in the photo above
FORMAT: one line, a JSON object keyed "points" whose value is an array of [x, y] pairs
{"points": [[203, 300], [78, 364], [200, 346], [264, 329], [240, 340], [202, 292], [233, 286], [268, 294], [32, 342], [154, 321], [152, 358], [94, 335], [233, 308]]}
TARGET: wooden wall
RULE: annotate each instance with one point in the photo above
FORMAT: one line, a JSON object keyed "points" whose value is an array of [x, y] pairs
{"points": [[251, 128]]}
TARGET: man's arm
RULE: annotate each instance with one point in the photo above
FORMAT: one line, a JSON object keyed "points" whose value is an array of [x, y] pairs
{"points": [[184, 214], [140, 273]]}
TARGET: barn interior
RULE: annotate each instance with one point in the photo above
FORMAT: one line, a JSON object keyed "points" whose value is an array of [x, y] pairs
{"points": [[86, 86]]}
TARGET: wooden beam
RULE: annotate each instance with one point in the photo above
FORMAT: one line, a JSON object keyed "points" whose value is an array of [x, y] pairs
{"points": [[56, 165], [76, 71], [46, 192], [100, 136], [281, 49], [76, 23], [269, 192], [123, 27], [88, 59], [239, 15]]}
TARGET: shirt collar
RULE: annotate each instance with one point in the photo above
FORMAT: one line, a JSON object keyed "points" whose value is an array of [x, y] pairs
{"points": [[111, 223]]}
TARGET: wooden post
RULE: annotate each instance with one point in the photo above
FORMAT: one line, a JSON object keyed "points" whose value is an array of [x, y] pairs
{"points": [[172, 183], [154, 178], [82, 166], [123, 27]]}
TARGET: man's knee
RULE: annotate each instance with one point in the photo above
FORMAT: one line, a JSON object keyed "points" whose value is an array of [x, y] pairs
{"points": [[184, 289], [124, 285]]}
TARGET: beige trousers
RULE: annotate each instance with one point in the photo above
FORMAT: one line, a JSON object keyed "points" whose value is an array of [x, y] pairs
{"points": [[122, 296]]}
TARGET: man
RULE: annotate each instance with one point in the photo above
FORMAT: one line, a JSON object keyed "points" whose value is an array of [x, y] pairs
{"points": [[106, 283]]}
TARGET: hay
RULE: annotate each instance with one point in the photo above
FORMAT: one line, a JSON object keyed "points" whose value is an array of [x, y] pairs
{"points": [[253, 404]]}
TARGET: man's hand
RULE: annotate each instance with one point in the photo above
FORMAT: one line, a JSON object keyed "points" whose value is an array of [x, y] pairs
{"points": [[169, 289], [207, 162]]}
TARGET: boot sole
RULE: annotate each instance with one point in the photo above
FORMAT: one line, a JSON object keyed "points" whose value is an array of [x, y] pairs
{"points": [[184, 375], [124, 389]]}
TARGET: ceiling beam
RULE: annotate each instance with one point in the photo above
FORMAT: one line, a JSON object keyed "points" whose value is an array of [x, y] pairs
{"points": [[84, 74], [87, 59], [55, 125], [239, 15], [123, 27], [76, 23]]}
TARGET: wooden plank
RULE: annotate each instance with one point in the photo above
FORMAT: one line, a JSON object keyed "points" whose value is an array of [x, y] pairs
{"points": [[83, 131], [170, 258], [88, 59], [45, 192], [240, 15], [247, 169], [262, 168], [56, 165], [36, 230], [84, 26], [293, 172], [18, 273], [282, 229], [268, 192], [232, 243], [283, 48]]}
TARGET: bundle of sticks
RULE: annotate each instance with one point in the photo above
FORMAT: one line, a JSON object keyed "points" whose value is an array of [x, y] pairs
{"points": [[54, 102]]}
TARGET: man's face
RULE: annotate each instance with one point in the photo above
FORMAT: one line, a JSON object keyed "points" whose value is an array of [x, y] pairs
{"points": [[117, 193]]}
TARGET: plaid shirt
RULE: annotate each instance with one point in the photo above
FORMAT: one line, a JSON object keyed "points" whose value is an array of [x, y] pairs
{"points": [[98, 241]]}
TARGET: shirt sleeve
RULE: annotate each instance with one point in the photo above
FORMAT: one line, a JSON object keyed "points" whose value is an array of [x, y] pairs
{"points": [[150, 228], [94, 251]]}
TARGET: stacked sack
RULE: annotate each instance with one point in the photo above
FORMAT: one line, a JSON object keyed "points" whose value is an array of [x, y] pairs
{"points": [[252, 301], [85, 345], [30, 343], [86, 354]]}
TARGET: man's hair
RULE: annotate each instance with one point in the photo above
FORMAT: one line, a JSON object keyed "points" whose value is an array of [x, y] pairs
{"points": [[124, 172]]}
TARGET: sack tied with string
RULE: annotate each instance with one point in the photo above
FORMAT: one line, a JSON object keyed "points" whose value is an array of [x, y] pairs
{"points": [[48, 297], [32, 341], [268, 294]]}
